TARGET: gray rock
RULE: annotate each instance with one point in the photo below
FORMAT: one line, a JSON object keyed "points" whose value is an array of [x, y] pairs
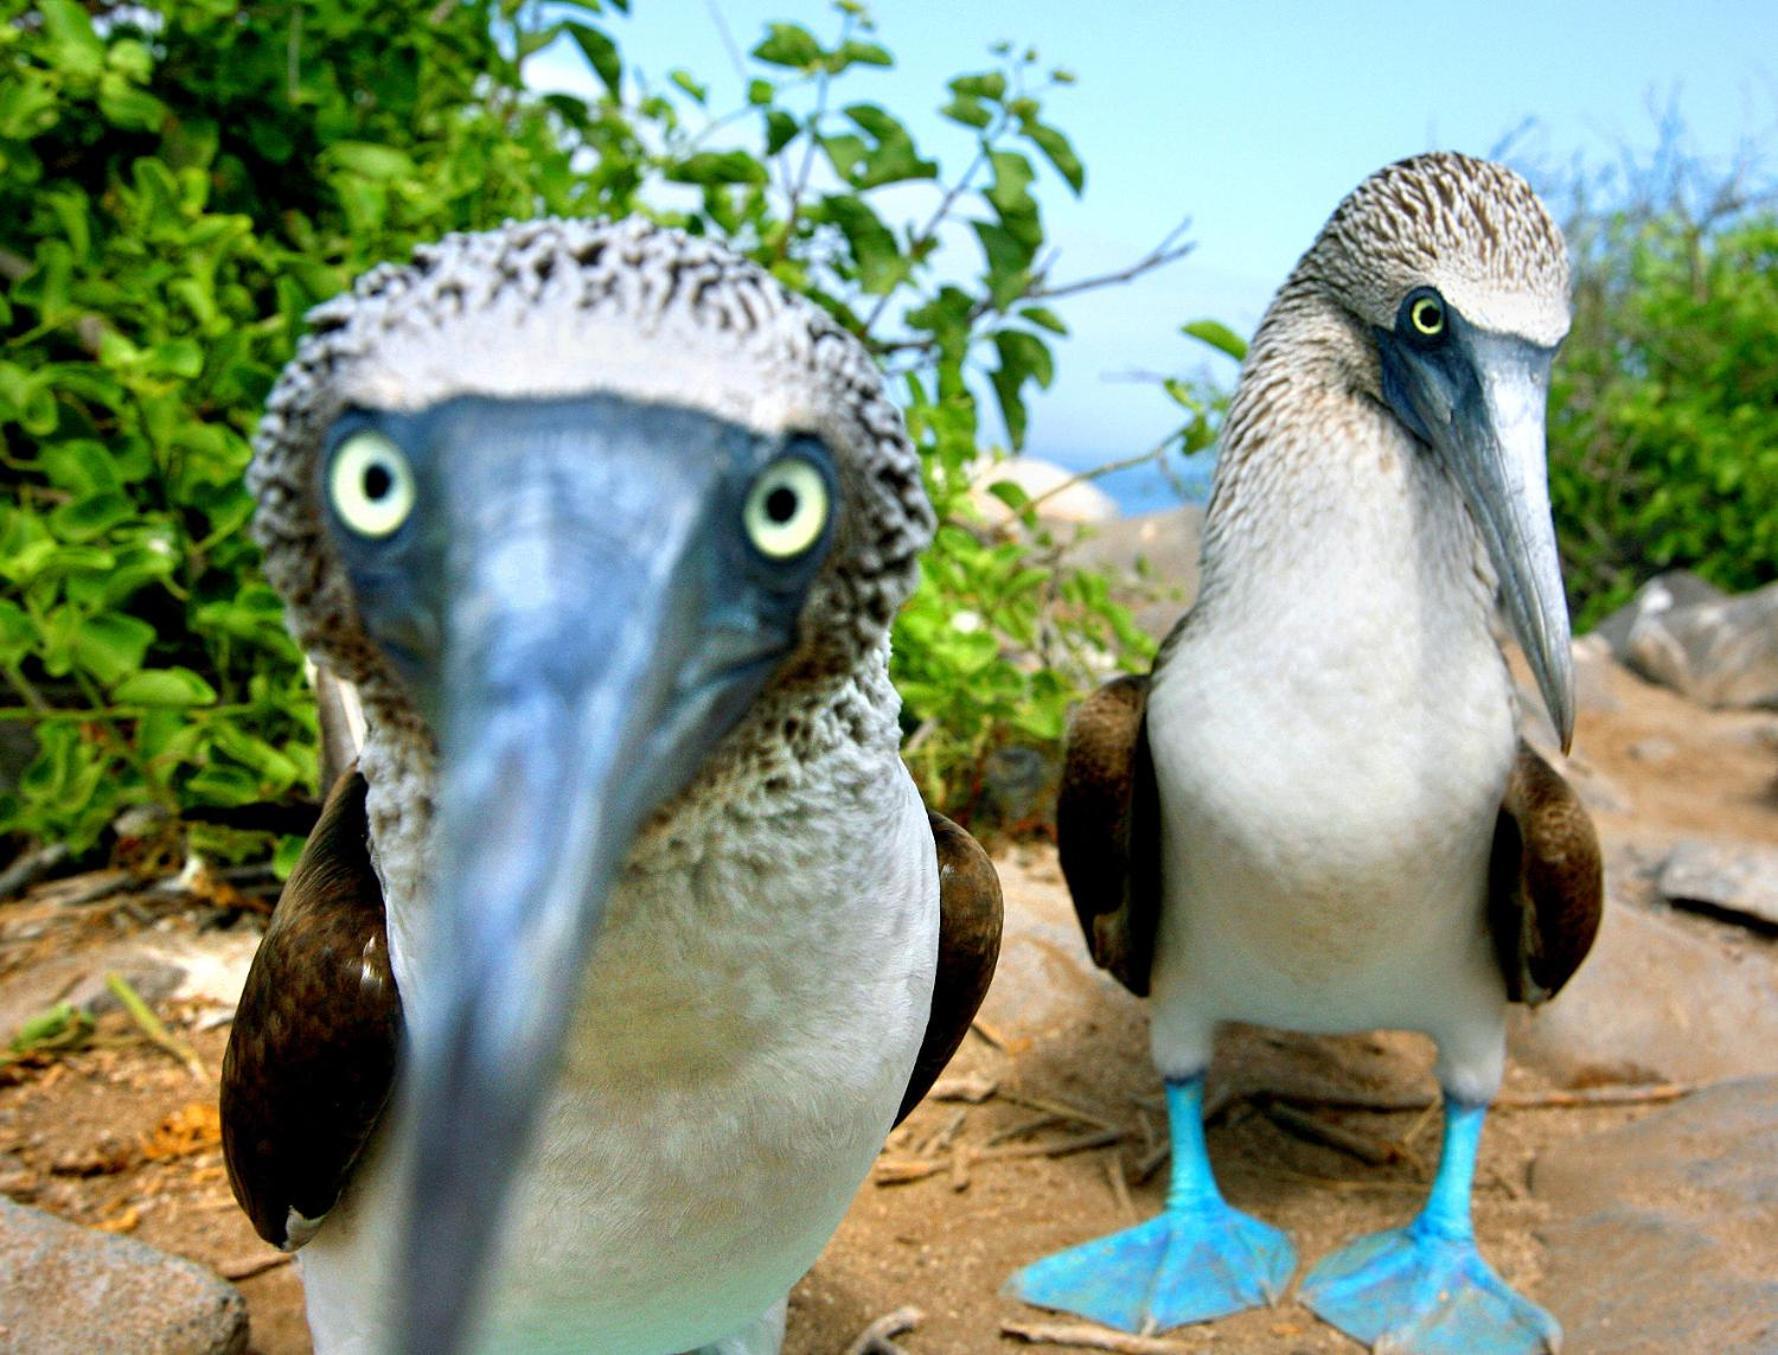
{"points": [[1654, 1000], [66, 1289], [1676, 589], [1738, 880], [1723, 653], [1667, 1243]]}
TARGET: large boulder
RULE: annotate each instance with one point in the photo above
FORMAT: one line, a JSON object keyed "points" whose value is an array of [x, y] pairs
{"points": [[1655, 1000], [1066, 498], [1667, 1242], [66, 1290], [1684, 634], [1733, 880]]}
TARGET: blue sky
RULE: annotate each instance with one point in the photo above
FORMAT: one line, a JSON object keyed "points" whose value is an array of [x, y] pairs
{"points": [[1254, 120]]}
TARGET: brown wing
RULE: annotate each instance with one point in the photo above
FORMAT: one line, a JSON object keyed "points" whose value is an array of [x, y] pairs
{"points": [[1546, 883], [968, 946], [311, 1057], [1108, 830]]}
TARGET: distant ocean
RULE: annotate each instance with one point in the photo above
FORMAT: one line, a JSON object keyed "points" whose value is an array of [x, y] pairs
{"points": [[1146, 488]]}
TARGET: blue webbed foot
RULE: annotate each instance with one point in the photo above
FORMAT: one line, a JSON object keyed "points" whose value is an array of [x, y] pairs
{"points": [[1188, 1265], [1200, 1259], [1416, 1290]]}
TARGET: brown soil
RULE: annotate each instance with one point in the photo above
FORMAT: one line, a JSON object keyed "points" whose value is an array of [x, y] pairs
{"points": [[122, 1136]]}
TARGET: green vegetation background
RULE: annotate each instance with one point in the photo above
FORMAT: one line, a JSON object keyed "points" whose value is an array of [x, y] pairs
{"points": [[181, 182]]}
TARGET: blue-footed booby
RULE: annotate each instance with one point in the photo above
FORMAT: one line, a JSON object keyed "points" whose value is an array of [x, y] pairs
{"points": [[1315, 812], [627, 939]]}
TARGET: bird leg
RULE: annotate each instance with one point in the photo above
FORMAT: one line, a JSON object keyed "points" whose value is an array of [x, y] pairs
{"points": [[1425, 1288], [1198, 1260]]}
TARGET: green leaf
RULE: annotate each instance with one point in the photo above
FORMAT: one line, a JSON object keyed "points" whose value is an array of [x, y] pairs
{"points": [[880, 264], [789, 45], [164, 687], [967, 110], [73, 45], [111, 647], [684, 80], [1059, 152], [990, 85], [84, 518], [17, 633], [1219, 336], [125, 106], [601, 54], [1044, 318], [369, 160], [781, 130], [717, 167]]}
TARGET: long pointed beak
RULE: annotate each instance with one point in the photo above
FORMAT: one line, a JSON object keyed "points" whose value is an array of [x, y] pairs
{"points": [[1490, 431], [582, 683]]}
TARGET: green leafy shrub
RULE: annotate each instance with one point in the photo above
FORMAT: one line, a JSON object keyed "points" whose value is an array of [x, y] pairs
{"points": [[1664, 407], [181, 181]]}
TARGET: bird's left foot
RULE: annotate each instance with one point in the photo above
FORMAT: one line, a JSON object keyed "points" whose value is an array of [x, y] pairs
{"points": [[1414, 1291]]}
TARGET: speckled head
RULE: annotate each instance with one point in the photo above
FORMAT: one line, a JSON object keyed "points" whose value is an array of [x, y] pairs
{"points": [[551, 309], [1471, 229], [614, 522]]}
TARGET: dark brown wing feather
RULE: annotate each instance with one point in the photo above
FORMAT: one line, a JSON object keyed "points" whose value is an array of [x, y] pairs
{"points": [[311, 1058], [1546, 882], [1108, 830], [968, 946]]}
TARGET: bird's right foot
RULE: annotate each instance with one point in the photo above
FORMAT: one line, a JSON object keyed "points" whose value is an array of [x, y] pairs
{"points": [[1191, 1264]]}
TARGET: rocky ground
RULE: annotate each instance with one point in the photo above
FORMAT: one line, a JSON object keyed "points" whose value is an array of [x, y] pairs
{"points": [[1629, 1182]]}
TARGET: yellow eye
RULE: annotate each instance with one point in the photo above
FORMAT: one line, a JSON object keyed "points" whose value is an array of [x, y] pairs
{"points": [[371, 485], [786, 509], [1428, 316]]}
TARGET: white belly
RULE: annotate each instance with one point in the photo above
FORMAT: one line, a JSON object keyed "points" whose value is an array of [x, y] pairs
{"points": [[733, 1068], [1328, 807]]}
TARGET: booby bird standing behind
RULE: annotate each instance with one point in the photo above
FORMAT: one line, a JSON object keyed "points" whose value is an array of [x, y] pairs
{"points": [[1315, 812], [606, 529]]}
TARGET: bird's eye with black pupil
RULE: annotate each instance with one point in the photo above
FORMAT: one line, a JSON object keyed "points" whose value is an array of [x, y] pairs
{"points": [[370, 485], [1426, 315], [786, 509]]}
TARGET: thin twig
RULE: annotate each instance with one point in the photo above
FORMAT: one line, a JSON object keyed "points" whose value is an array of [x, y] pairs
{"points": [[1645, 1094], [1308, 1127], [1059, 1108], [1083, 1337], [1099, 1138], [151, 1026], [877, 1339], [1120, 1188], [1170, 250], [247, 1267]]}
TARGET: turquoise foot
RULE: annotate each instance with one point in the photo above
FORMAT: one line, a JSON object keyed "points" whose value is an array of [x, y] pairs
{"points": [[1185, 1266], [1413, 1291]]}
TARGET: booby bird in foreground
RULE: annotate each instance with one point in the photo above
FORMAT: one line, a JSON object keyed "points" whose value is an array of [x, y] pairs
{"points": [[1315, 812], [613, 961]]}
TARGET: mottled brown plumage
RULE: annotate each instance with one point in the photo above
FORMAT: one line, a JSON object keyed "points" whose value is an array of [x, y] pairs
{"points": [[311, 1055], [1546, 879], [1108, 830], [968, 947], [1546, 885]]}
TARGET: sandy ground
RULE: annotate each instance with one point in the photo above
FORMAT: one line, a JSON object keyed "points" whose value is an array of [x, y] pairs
{"points": [[122, 1136]]}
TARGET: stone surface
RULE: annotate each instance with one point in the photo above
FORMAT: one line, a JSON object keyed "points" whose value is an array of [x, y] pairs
{"points": [[1080, 501], [1663, 593], [1654, 1001], [210, 967], [66, 1290], [1045, 979], [1718, 650], [1668, 1240], [1738, 880]]}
